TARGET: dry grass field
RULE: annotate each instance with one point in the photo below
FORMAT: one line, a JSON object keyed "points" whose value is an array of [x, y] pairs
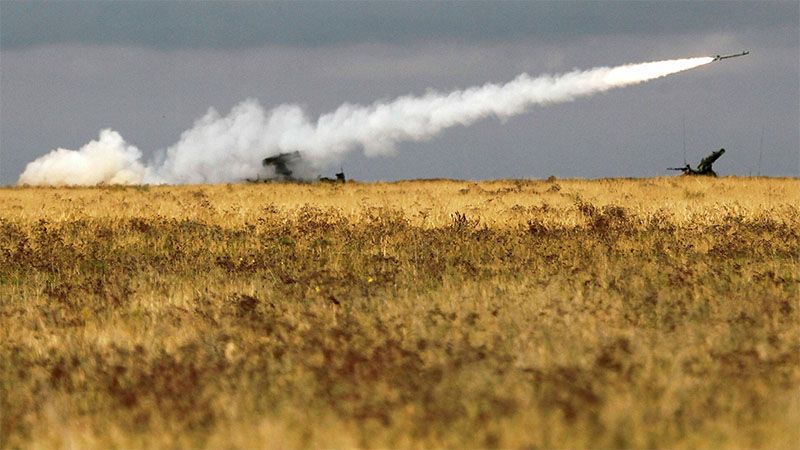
{"points": [[563, 313]]}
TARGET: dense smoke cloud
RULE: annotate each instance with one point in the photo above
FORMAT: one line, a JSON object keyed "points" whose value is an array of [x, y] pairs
{"points": [[230, 148], [108, 160]]}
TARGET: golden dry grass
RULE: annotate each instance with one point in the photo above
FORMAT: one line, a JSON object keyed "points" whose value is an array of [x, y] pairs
{"points": [[565, 313]]}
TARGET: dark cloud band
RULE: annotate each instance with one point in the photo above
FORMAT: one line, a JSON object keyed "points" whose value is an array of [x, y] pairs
{"points": [[187, 25]]}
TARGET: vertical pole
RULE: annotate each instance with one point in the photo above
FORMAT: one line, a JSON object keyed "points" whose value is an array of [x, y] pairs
{"points": [[684, 139], [760, 150]]}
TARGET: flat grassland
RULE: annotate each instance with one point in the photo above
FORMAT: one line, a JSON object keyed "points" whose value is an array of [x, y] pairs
{"points": [[562, 313]]}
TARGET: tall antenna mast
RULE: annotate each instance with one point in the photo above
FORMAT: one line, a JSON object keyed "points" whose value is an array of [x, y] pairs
{"points": [[684, 139], [760, 150]]}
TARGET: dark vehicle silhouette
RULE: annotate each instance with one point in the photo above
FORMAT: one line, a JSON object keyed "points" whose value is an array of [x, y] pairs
{"points": [[704, 168], [282, 163]]}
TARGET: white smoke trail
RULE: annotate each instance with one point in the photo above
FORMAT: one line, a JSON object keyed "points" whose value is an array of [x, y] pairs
{"points": [[230, 148]]}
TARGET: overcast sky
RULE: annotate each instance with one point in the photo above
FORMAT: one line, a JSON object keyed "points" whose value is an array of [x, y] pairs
{"points": [[149, 69]]}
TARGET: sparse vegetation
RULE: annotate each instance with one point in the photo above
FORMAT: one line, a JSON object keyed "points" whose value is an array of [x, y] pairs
{"points": [[608, 313]]}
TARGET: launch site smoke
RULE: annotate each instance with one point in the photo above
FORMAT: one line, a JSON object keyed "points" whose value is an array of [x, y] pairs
{"points": [[230, 148]]}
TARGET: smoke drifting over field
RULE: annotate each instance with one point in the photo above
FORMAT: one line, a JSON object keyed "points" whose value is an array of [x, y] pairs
{"points": [[230, 148]]}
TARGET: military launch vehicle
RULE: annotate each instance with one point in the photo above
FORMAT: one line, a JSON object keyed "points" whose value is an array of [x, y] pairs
{"points": [[705, 166], [289, 167], [282, 163]]}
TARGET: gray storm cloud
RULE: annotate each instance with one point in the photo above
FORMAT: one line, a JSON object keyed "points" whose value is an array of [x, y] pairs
{"points": [[229, 148]]}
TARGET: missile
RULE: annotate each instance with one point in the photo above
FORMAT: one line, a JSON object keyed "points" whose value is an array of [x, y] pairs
{"points": [[720, 58]]}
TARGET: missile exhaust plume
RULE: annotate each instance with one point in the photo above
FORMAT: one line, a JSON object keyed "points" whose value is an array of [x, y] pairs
{"points": [[230, 148]]}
